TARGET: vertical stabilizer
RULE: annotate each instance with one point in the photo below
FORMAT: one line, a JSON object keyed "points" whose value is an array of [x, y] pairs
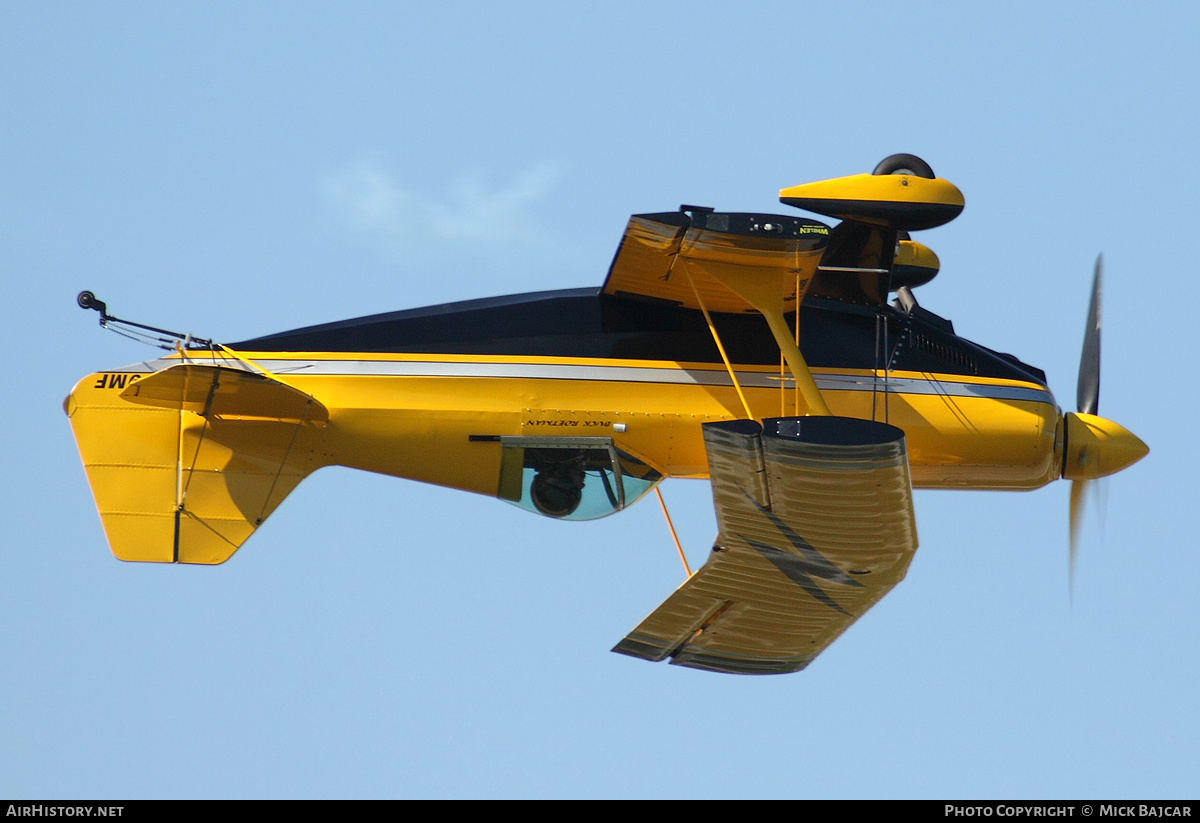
{"points": [[187, 462]]}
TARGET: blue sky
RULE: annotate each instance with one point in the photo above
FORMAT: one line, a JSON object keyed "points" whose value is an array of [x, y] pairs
{"points": [[237, 169]]}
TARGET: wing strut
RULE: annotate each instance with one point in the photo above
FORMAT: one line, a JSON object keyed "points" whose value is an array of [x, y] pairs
{"points": [[765, 294], [717, 339], [801, 287], [674, 536]]}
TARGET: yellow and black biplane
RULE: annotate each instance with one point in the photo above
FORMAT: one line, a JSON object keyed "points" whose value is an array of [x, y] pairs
{"points": [[813, 426]]}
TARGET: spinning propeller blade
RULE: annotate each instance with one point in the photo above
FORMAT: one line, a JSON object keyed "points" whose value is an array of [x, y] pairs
{"points": [[1078, 504], [1094, 447], [1087, 401], [1087, 392]]}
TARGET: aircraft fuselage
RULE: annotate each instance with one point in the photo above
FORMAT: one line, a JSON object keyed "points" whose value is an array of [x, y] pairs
{"points": [[424, 394]]}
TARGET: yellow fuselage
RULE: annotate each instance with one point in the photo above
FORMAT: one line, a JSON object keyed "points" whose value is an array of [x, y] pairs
{"points": [[426, 417]]}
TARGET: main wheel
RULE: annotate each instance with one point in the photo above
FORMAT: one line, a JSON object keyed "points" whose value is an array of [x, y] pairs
{"points": [[904, 164]]}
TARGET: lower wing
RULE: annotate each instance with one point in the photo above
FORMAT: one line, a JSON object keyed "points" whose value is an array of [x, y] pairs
{"points": [[815, 524]]}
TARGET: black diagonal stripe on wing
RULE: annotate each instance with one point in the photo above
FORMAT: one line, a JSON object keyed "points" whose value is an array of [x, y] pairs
{"points": [[795, 568], [813, 562]]}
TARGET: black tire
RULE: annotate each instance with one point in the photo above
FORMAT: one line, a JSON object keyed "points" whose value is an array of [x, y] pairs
{"points": [[904, 164], [86, 300]]}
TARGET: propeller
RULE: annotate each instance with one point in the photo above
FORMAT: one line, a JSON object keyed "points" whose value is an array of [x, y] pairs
{"points": [[1087, 392], [1078, 499], [1094, 447], [1087, 401]]}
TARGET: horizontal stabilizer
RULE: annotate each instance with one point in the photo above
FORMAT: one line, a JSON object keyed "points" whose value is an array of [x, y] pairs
{"points": [[815, 524], [185, 463], [223, 391]]}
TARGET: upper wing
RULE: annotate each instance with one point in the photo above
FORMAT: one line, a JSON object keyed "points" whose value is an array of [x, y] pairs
{"points": [[815, 524], [658, 251]]}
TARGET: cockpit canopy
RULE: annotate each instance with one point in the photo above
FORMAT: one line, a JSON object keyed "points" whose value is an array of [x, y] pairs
{"points": [[571, 478]]}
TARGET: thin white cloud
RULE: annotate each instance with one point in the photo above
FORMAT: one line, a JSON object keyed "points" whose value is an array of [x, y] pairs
{"points": [[371, 200]]}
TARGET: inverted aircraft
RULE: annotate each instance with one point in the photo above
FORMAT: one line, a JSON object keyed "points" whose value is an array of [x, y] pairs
{"points": [[763, 352]]}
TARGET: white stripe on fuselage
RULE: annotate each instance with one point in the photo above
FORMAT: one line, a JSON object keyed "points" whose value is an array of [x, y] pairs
{"points": [[621, 374]]}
